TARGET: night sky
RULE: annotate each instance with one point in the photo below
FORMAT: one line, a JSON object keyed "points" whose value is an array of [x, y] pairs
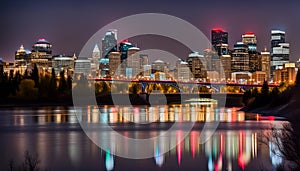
{"points": [[68, 24]]}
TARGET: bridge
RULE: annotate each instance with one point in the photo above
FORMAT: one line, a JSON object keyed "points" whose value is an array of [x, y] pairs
{"points": [[178, 84]]}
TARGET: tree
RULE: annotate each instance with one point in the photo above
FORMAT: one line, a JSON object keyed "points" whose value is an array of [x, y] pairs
{"points": [[44, 86], [297, 82], [4, 85], [265, 89], [26, 74], [35, 76], [286, 145], [62, 81], [16, 82], [69, 82], [52, 91], [27, 90]]}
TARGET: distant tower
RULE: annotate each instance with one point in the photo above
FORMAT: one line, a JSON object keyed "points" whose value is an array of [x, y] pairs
{"points": [[197, 65], [114, 64], [109, 43], [250, 40], [265, 63], [22, 57], [133, 61], [124, 46], [219, 41], [42, 53], [182, 71], [42, 49], [280, 50], [95, 59], [240, 58]]}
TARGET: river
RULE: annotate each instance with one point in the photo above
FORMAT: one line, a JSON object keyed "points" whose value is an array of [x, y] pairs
{"points": [[59, 136]]}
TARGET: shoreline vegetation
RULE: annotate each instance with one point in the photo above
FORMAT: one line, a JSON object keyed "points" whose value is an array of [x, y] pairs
{"points": [[283, 101], [34, 89]]}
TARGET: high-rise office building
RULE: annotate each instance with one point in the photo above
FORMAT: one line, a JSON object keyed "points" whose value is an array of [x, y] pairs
{"points": [[182, 71], [219, 40], [225, 71], [286, 73], [265, 63], [144, 65], [123, 48], [197, 64], [109, 43], [95, 60], [104, 67], [240, 58], [249, 39], [42, 53], [146, 71], [114, 63], [211, 59], [277, 37], [42, 49], [144, 59], [66, 63], [22, 57], [280, 50], [82, 66], [133, 60], [160, 66]]}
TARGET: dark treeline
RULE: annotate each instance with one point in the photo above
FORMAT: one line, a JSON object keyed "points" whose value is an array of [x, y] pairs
{"points": [[280, 101], [34, 85], [267, 97]]}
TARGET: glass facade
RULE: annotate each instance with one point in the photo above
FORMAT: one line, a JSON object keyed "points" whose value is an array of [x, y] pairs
{"points": [[109, 43]]}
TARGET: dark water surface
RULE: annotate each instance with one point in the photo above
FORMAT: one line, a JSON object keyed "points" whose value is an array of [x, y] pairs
{"points": [[56, 136]]}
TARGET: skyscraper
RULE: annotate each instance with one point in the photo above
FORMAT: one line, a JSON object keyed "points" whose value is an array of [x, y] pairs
{"points": [[42, 53], [280, 50], [182, 71], [133, 60], [225, 72], [265, 63], [123, 48], [109, 43], [219, 40], [249, 39], [197, 64], [22, 57], [42, 49], [240, 58], [95, 60], [114, 63]]}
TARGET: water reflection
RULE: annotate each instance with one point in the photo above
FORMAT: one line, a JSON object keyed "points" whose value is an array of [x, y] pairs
{"points": [[159, 113], [232, 148], [124, 114], [226, 150]]}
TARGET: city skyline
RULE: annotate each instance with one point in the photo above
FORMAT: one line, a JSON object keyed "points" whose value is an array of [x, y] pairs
{"points": [[67, 36]]}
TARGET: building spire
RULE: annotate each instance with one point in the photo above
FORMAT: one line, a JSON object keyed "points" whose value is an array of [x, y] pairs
{"points": [[96, 49]]}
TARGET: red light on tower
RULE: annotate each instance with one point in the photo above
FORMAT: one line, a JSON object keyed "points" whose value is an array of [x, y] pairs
{"points": [[218, 30], [124, 41], [249, 33]]}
